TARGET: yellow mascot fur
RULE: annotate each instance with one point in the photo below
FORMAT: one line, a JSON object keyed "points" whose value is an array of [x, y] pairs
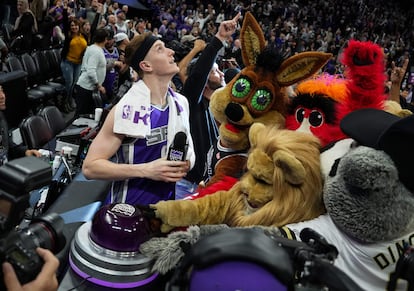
{"points": [[283, 184]]}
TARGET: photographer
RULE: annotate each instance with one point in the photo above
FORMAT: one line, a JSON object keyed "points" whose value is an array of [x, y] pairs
{"points": [[45, 281]]}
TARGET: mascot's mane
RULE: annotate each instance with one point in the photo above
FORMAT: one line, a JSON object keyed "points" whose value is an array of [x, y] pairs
{"points": [[332, 86], [297, 193]]}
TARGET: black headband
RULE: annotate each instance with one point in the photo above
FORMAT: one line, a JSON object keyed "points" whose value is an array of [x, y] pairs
{"points": [[142, 51]]}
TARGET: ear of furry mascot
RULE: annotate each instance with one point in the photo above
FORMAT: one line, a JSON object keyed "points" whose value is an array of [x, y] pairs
{"points": [[283, 184], [256, 94]]}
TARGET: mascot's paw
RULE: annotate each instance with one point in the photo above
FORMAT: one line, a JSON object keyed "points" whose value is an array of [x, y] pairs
{"points": [[363, 53], [165, 212], [168, 251], [160, 210]]}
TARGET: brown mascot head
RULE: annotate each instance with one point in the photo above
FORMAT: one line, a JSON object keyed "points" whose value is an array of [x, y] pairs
{"points": [[257, 93], [283, 183]]}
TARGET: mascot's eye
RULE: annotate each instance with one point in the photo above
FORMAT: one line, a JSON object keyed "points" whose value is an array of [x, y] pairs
{"points": [[300, 115], [261, 100], [241, 88], [315, 118]]}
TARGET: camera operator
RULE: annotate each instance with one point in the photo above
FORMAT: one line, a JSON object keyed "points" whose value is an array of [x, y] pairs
{"points": [[45, 281]]}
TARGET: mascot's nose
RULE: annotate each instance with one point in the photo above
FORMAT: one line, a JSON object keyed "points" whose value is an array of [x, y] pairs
{"points": [[234, 112]]}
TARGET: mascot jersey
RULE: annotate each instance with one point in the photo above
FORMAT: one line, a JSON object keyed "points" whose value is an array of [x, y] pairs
{"points": [[369, 265], [136, 151], [217, 154]]}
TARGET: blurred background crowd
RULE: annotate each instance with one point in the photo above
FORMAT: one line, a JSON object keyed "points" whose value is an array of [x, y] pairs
{"points": [[292, 26]]}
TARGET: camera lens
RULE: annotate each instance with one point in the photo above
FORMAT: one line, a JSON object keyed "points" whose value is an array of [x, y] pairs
{"points": [[47, 230]]}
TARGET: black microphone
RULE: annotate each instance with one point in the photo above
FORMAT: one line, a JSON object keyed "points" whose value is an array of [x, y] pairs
{"points": [[178, 149]]}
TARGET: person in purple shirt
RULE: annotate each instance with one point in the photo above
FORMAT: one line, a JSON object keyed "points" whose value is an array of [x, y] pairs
{"points": [[131, 147]]}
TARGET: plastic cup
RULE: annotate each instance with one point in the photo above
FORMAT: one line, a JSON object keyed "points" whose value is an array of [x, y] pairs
{"points": [[98, 114]]}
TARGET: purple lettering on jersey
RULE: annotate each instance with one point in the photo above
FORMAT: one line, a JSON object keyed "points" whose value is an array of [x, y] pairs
{"points": [[138, 117]]}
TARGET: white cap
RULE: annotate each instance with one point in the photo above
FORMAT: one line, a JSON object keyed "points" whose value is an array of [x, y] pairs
{"points": [[120, 36]]}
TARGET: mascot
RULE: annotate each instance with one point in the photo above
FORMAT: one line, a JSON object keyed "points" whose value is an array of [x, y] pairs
{"points": [[369, 202], [322, 102], [283, 184], [256, 94]]}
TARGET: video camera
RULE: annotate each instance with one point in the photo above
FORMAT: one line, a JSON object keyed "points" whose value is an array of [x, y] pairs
{"points": [[18, 244]]}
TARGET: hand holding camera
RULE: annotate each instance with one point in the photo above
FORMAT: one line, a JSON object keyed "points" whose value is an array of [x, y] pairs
{"points": [[45, 281]]}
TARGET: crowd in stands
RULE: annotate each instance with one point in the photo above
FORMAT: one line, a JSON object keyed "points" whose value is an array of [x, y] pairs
{"points": [[291, 26], [86, 28]]}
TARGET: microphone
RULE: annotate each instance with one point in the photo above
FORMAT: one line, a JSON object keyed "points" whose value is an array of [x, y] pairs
{"points": [[178, 149]]}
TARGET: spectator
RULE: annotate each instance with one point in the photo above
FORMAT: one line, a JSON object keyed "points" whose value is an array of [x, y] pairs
{"points": [[120, 22], [89, 13], [39, 8], [8, 149], [140, 26], [93, 71], [111, 23], [204, 77], [72, 52], [121, 41], [25, 27], [56, 11], [113, 64], [124, 71], [133, 154], [130, 28]]}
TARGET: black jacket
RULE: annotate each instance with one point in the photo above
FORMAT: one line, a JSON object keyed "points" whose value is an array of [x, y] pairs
{"points": [[203, 126]]}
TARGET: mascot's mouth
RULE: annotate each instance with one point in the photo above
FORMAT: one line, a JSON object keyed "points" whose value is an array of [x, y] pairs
{"points": [[250, 207], [234, 128]]}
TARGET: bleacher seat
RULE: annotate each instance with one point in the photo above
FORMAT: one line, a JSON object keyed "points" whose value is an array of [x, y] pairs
{"points": [[46, 71], [53, 118], [35, 96], [35, 76], [35, 132]]}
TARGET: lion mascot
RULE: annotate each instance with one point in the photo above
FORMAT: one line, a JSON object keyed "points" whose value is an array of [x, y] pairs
{"points": [[282, 184]]}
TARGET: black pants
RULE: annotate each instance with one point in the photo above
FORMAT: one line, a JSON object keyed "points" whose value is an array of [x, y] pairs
{"points": [[84, 101]]}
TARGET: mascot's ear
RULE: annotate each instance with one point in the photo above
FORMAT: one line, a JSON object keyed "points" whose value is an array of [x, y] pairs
{"points": [[254, 130], [292, 168], [252, 39], [300, 67]]}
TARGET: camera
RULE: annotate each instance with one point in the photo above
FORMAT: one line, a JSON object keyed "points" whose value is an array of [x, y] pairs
{"points": [[18, 243], [19, 246]]}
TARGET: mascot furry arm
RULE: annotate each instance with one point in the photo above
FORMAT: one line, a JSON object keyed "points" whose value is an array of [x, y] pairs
{"points": [[283, 184], [256, 94]]}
